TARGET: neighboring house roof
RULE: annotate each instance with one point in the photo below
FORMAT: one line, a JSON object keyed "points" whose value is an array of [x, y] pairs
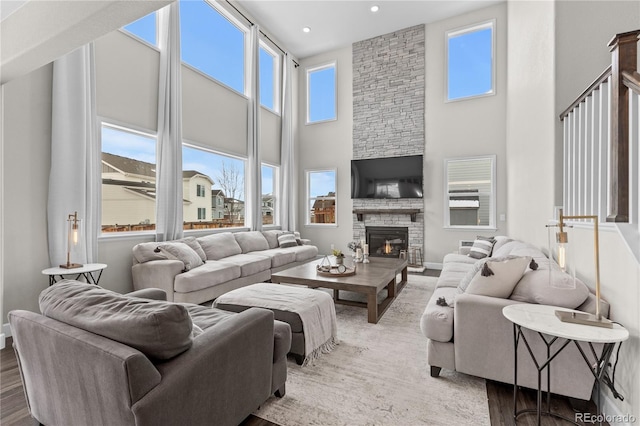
{"points": [[145, 189], [324, 204], [217, 193], [129, 166]]}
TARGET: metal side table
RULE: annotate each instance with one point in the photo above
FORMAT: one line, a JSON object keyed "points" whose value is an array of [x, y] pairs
{"points": [[542, 320], [90, 271]]}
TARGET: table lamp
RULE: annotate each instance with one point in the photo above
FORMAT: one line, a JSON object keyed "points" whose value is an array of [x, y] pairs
{"points": [[562, 241], [72, 238]]}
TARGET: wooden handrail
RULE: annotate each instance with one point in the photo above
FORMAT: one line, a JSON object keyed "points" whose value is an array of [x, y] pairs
{"points": [[588, 91], [631, 80]]}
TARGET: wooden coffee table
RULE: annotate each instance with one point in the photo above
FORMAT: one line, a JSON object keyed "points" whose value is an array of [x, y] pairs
{"points": [[370, 279]]}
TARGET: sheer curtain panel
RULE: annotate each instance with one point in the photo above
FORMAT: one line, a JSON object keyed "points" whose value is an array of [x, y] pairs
{"points": [[74, 179], [169, 152], [287, 152], [254, 169]]}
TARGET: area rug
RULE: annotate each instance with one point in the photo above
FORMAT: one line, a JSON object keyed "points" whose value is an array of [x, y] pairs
{"points": [[378, 375]]}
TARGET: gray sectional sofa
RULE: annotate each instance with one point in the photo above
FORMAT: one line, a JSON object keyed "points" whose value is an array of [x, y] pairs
{"points": [[469, 334], [196, 270]]}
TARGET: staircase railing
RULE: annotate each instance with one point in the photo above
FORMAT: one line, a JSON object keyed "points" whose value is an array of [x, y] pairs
{"points": [[601, 140]]}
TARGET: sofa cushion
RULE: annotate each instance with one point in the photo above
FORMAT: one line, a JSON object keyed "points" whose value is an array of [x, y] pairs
{"points": [[302, 253], [251, 241], [287, 240], [436, 322], [272, 237], [208, 275], [218, 246], [536, 287], [250, 264], [502, 277], [183, 253], [159, 329], [482, 247], [279, 257], [194, 244], [500, 241]]}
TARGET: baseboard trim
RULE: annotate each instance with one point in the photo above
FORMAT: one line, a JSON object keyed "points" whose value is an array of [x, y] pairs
{"points": [[612, 413], [432, 265]]}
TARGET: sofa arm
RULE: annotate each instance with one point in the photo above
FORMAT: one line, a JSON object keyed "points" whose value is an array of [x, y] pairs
{"points": [[149, 293], [157, 274], [221, 379]]}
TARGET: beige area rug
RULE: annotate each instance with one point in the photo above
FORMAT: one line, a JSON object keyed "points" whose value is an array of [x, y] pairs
{"points": [[378, 375]]}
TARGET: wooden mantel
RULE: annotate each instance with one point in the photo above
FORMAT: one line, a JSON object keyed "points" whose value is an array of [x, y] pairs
{"points": [[361, 212]]}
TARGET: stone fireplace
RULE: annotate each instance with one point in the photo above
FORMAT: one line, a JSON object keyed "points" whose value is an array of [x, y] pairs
{"points": [[387, 241]]}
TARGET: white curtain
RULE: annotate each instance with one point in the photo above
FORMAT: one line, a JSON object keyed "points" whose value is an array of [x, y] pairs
{"points": [[74, 179], [169, 214], [254, 167], [288, 189]]}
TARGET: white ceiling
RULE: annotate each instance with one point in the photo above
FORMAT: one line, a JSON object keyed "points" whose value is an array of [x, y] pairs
{"points": [[336, 24]]}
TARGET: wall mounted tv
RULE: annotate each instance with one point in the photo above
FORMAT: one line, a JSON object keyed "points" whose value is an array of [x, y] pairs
{"points": [[391, 177]]}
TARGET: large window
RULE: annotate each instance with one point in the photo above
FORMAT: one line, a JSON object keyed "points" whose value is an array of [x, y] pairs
{"points": [[212, 43], [128, 180], [470, 192], [470, 62], [321, 196], [269, 200], [145, 28], [269, 70], [223, 179], [321, 93]]}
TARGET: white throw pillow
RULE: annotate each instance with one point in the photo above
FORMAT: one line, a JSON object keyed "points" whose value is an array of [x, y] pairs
{"points": [[536, 287], [183, 253], [497, 278]]}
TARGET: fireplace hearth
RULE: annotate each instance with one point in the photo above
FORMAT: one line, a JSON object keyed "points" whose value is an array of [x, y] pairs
{"points": [[387, 241]]}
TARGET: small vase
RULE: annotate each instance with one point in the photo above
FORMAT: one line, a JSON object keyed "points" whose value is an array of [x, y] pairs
{"points": [[339, 260]]}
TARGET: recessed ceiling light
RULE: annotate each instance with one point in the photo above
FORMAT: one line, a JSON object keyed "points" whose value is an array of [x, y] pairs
{"points": [[306, 29], [375, 8]]}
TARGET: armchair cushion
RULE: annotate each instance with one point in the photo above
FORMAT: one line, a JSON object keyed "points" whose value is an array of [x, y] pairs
{"points": [[160, 330]]}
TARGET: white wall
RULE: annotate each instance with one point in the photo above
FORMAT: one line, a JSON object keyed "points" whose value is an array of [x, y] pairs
{"points": [[463, 128], [328, 145]]}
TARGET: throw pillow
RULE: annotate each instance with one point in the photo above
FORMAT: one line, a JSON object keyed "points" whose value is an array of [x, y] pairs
{"points": [[159, 329], [482, 247], [498, 277], [550, 287], [183, 253], [146, 252], [287, 240], [195, 245]]}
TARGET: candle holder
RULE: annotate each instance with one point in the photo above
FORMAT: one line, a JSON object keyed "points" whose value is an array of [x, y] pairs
{"points": [[366, 258]]}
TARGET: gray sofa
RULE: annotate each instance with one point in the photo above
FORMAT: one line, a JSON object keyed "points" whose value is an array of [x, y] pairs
{"points": [[470, 334], [99, 358], [228, 261]]}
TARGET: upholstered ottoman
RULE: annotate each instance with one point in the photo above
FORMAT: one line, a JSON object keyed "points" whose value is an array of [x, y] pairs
{"points": [[310, 314]]}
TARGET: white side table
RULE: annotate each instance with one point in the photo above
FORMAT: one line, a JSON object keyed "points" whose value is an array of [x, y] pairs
{"points": [[90, 271], [542, 319]]}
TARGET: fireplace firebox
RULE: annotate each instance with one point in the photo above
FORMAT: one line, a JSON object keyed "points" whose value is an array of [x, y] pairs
{"points": [[387, 241]]}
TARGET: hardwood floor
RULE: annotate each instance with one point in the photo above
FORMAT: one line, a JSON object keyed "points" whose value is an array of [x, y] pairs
{"points": [[13, 408]]}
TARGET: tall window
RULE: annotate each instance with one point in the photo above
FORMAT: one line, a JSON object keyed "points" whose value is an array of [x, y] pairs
{"points": [[212, 43], [128, 180], [321, 196], [470, 62], [269, 70], [470, 192], [269, 200], [321, 93], [145, 28], [223, 179]]}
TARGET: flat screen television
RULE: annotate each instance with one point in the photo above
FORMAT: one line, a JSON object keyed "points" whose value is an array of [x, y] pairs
{"points": [[390, 177]]}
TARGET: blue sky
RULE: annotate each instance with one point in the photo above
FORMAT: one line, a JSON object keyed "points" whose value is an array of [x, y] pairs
{"points": [[470, 61]]}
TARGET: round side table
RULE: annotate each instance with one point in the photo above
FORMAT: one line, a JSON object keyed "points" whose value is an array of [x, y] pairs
{"points": [[90, 271]]}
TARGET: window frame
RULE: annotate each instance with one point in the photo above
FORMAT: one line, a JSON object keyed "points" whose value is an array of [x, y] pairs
{"points": [[492, 201], [309, 198], [277, 61], [129, 128], [308, 72], [467, 30]]}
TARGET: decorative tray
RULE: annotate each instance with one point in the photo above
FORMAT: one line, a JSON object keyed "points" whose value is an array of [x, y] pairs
{"points": [[336, 271]]}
